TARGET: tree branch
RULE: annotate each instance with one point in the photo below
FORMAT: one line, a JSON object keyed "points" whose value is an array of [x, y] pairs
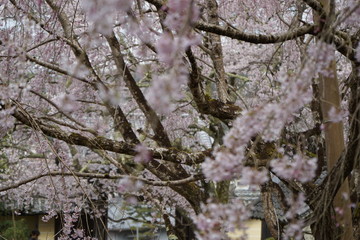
{"points": [[102, 143], [213, 107], [192, 178], [121, 123], [56, 68], [216, 52], [62, 112], [315, 5], [160, 133], [255, 38]]}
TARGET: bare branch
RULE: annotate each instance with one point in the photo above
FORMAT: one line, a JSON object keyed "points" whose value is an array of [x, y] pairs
{"points": [[212, 107], [240, 35], [103, 143], [41, 24], [192, 178], [255, 38], [120, 120], [55, 68], [216, 52], [316, 5], [57, 107], [160, 133]]}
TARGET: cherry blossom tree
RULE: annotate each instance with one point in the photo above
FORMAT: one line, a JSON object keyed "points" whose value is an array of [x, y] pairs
{"points": [[111, 97]]}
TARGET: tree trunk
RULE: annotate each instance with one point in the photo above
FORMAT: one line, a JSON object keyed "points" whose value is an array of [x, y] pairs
{"points": [[184, 226], [334, 132], [217, 53], [270, 216], [334, 142]]}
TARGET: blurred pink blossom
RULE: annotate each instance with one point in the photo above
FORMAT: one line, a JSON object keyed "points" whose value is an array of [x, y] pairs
{"points": [[143, 154]]}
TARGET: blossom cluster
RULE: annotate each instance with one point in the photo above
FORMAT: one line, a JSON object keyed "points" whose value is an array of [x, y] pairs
{"points": [[66, 102], [167, 87], [350, 15], [268, 121], [170, 48], [294, 229], [102, 13], [337, 115], [128, 184], [217, 221], [180, 14], [71, 216], [143, 154], [357, 53], [297, 167], [6, 121]]}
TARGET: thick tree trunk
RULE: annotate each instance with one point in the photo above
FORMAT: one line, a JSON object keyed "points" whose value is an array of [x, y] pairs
{"points": [[354, 140], [270, 216], [334, 142], [334, 131], [184, 226]]}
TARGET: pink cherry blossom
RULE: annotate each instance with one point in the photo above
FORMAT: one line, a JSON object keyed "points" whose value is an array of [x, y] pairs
{"points": [[297, 167], [143, 154]]}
